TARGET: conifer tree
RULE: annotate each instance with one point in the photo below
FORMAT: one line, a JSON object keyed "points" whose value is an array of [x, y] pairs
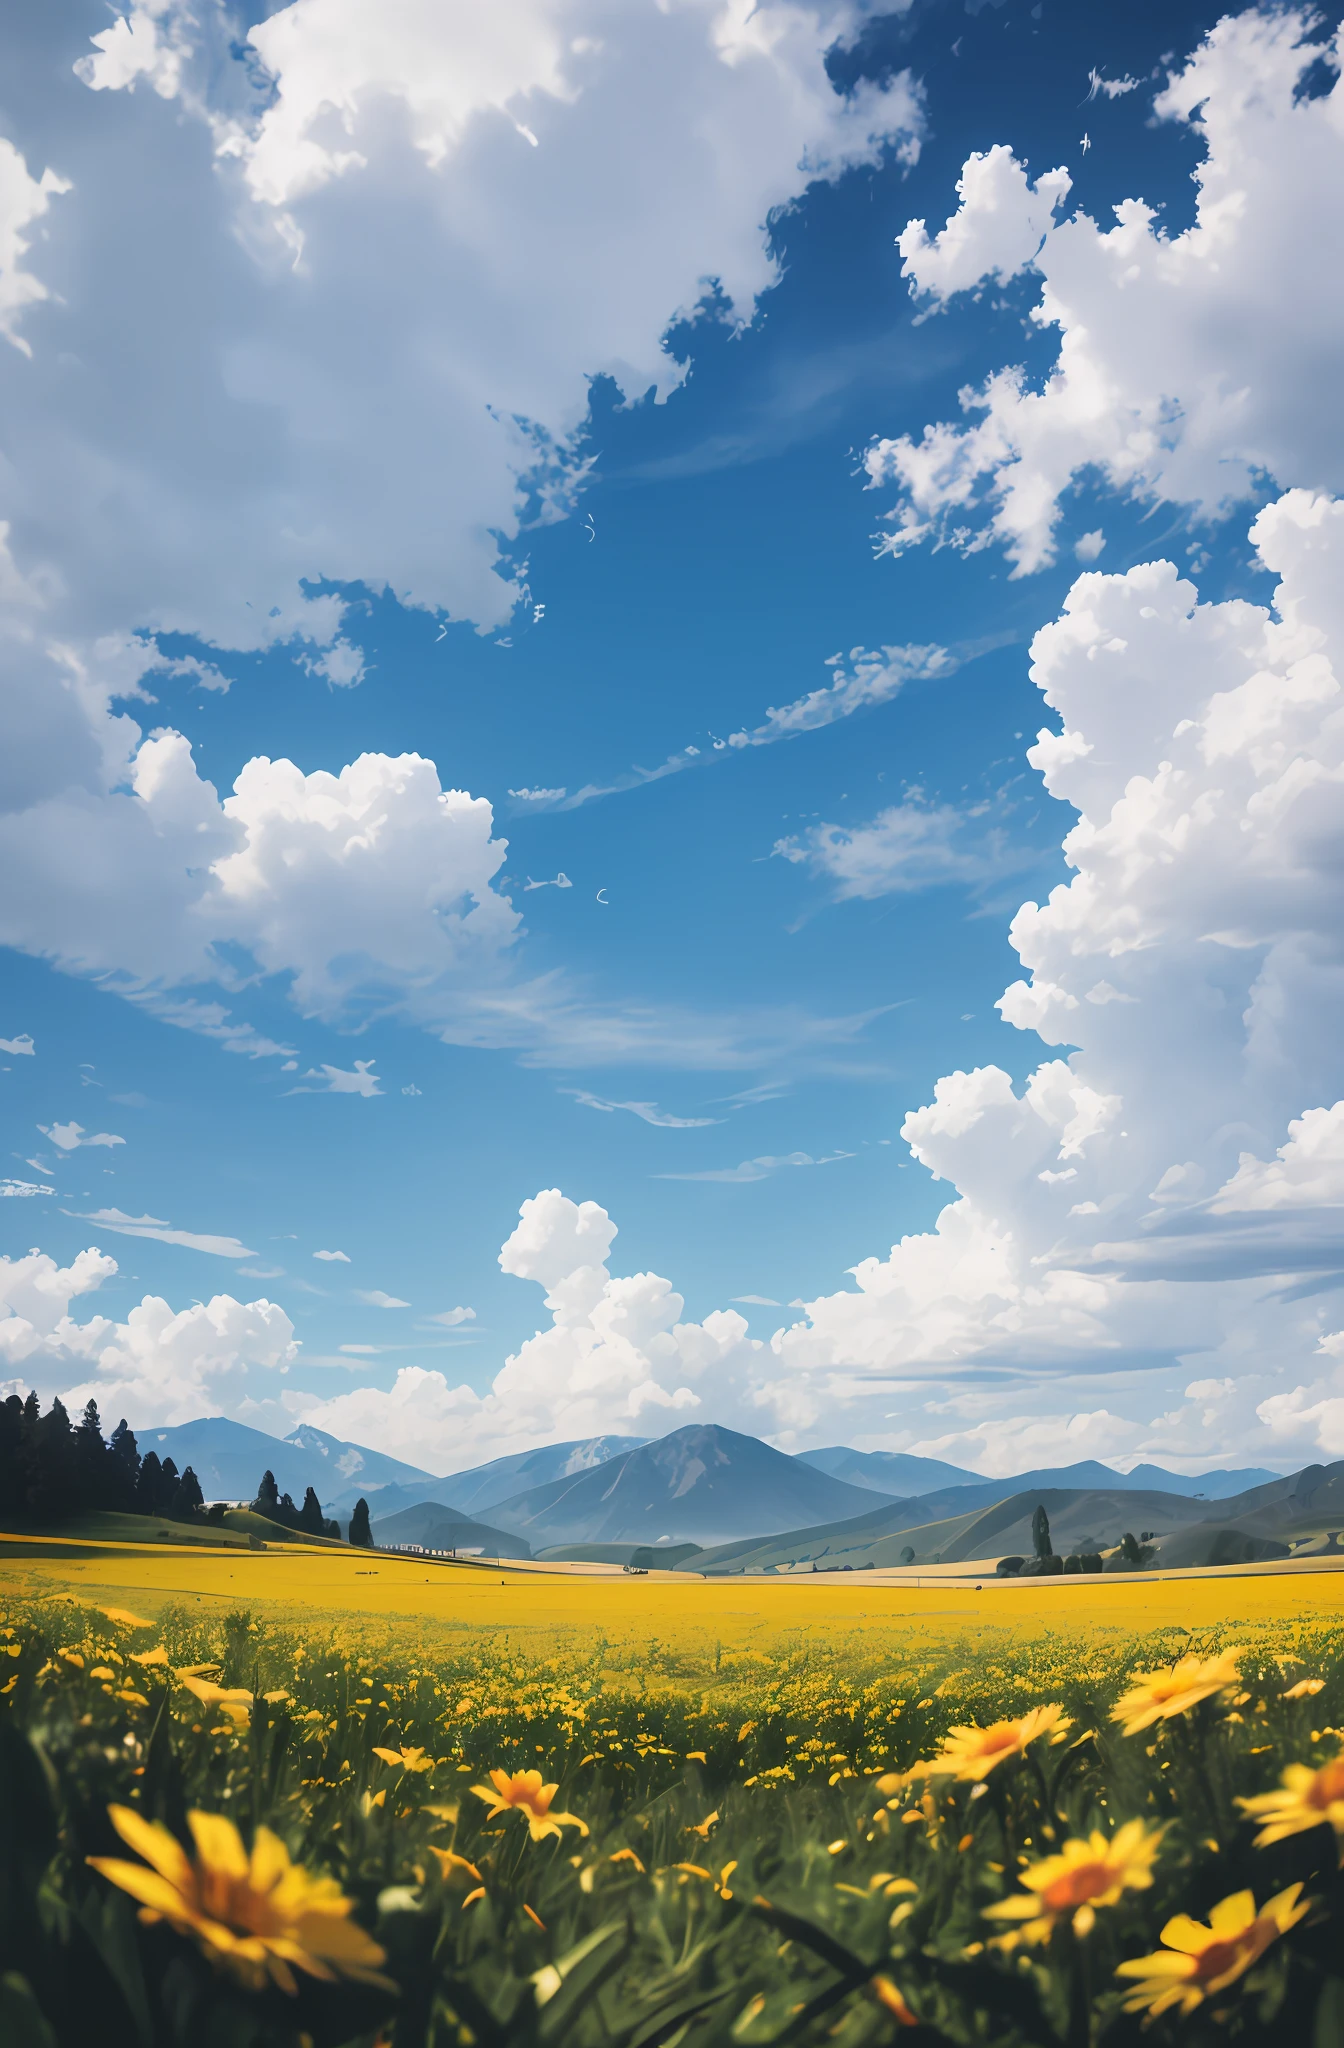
{"points": [[360, 1533], [310, 1515]]}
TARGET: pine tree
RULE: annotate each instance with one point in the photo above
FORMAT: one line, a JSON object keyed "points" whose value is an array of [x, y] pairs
{"points": [[360, 1533], [268, 1497], [148, 1481], [310, 1514], [124, 1467], [188, 1497], [1040, 1533]]}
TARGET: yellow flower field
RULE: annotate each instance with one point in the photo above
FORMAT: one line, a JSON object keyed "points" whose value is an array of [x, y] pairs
{"points": [[305, 1798], [548, 1609]]}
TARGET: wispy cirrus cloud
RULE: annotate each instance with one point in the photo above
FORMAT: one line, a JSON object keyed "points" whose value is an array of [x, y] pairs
{"points": [[756, 1169], [649, 1112], [163, 1233]]}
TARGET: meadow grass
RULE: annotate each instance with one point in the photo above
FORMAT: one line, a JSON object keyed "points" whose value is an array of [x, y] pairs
{"points": [[753, 1821]]}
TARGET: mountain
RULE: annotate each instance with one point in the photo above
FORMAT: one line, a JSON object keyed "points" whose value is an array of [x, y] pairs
{"points": [[484, 1486], [229, 1458], [889, 1472], [349, 1469], [701, 1484], [435, 1527], [896, 1472]]}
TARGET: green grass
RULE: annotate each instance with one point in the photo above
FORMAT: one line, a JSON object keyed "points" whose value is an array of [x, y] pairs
{"points": [[745, 1878]]}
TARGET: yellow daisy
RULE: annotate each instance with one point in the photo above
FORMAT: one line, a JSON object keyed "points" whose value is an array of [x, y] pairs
{"points": [[1199, 1959], [1087, 1873], [974, 1752], [1157, 1695], [256, 1917], [1306, 1799]]}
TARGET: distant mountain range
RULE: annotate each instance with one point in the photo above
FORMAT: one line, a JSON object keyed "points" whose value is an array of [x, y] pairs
{"points": [[229, 1458], [715, 1488], [700, 1484], [895, 1472]]}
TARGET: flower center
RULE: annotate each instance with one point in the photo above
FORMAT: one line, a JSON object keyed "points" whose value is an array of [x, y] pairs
{"points": [[1085, 1881], [1220, 1956]]}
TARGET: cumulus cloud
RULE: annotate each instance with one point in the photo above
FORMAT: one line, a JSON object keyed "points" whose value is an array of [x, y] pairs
{"points": [[164, 1233], [361, 355], [1188, 364], [616, 1352], [344, 1257], [996, 231], [159, 1366], [1172, 1188], [69, 1137]]}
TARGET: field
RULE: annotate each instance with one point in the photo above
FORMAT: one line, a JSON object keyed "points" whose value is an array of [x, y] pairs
{"points": [[765, 1829]]}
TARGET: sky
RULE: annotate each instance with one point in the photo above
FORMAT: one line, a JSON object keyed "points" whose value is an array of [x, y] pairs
{"points": [[671, 743]]}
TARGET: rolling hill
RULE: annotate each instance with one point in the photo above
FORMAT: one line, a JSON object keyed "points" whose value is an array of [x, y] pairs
{"points": [[701, 1484], [436, 1527]]}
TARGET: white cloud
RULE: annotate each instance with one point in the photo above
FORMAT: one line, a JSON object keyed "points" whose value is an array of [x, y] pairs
{"points": [[357, 1080], [344, 1257], [164, 1233], [158, 1366], [874, 676], [996, 231], [1187, 363], [375, 1298], [452, 1317], [756, 1300], [19, 1046], [908, 846], [23, 1188], [1174, 1187], [69, 1137], [649, 1112], [23, 200], [1308, 1170], [756, 1169], [616, 1353], [225, 442], [537, 796]]}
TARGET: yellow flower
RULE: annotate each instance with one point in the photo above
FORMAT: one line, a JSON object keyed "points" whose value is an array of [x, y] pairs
{"points": [[1200, 1959], [256, 1918], [1086, 1873], [408, 1759], [158, 1655], [1305, 1689], [525, 1790], [124, 1618], [886, 1993], [234, 1701], [973, 1752], [1157, 1695], [1307, 1799]]}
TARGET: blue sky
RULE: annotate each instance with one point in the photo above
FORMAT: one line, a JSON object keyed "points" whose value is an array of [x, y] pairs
{"points": [[711, 959]]}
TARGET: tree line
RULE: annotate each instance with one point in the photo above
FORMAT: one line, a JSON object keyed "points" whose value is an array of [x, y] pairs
{"points": [[52, 1470]]}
